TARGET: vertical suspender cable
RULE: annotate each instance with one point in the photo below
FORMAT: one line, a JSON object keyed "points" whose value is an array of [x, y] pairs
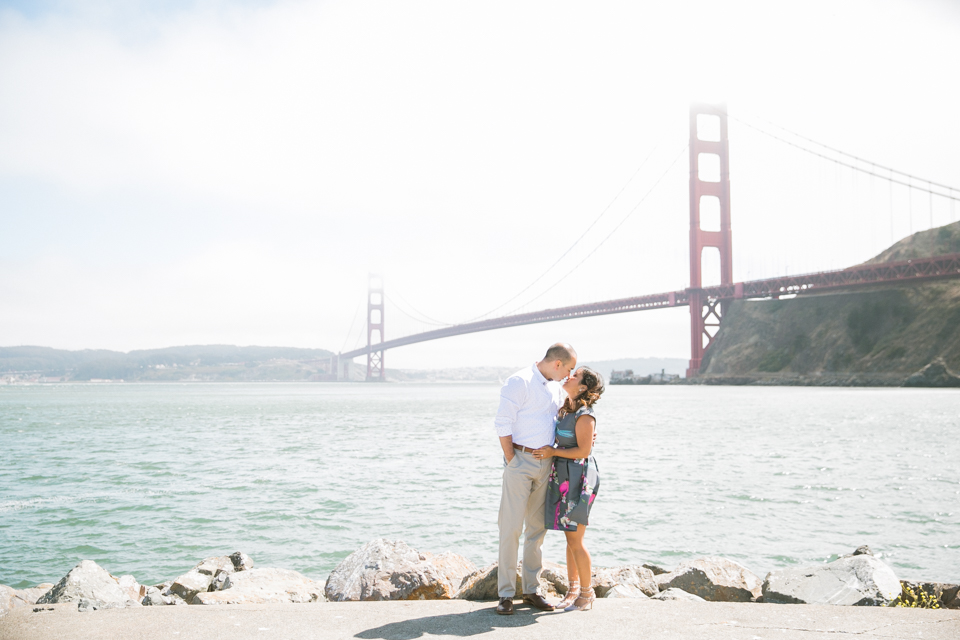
{"points": [[891, 209]]}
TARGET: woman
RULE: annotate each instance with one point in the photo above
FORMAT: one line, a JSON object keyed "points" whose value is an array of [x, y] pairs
{"points": [[574, 481]]}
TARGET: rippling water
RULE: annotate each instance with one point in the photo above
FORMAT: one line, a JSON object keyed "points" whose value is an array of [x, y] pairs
{"points": [[149, 478]]}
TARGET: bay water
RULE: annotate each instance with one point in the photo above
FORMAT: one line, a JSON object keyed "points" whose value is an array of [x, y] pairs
{"points": [[147, 479]]}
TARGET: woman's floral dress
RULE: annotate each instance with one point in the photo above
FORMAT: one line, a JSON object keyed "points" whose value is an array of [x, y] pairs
{"points": [[573, 483]]}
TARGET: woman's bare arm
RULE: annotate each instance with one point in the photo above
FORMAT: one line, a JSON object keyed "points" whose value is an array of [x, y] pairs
{"points": [[585, 427]]}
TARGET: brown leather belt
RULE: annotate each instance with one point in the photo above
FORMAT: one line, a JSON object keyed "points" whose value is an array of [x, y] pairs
{"points": [[523, 448]]}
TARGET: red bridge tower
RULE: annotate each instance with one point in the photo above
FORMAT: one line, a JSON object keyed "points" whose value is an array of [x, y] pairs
{"points": [[375, 370], [714, 196]]}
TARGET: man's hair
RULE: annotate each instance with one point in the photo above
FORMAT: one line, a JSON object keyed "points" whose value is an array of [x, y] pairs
{"points": [[560, 351]]}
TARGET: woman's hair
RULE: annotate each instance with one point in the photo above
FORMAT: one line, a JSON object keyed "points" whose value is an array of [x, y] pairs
{"points": [[594, 383]]}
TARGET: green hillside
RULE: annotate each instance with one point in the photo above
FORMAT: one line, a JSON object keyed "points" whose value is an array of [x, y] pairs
{"points": [[879, 336], [208, 362]]}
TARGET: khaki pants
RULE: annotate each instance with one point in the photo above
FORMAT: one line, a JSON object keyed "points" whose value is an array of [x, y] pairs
{"points": [[522, 502]]}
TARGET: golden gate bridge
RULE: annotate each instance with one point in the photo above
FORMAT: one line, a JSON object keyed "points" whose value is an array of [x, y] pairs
{"points": [[706, 303]]}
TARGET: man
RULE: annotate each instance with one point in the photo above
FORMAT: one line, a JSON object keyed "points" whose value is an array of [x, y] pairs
{"points": [[529, 402]]}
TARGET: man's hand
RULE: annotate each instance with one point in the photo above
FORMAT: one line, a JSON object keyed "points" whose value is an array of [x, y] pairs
{"points": [[594, 438], [506, 443]]}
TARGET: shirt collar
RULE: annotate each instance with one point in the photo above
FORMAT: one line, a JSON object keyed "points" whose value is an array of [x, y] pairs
{"points": [[539, 376]]}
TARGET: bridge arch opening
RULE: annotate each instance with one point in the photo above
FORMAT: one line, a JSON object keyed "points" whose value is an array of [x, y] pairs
{"points": [[708, 127], [709, 213], [708, 167], [710, 272]]}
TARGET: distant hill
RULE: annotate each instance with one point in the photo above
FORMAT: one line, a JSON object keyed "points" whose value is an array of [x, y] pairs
{"points": [[880, 335], [210, 362]]}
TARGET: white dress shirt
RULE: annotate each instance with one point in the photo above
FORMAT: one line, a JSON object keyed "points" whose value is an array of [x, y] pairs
{"points": [[528, 408]]}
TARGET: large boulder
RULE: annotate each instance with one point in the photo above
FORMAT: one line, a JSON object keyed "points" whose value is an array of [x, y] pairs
{"points": [[31, 595], [624, 591], [387, 570], [677, 594], [259, 586], [455, 568], [714, 579], [210, 574], [214, 565], [859, 580], [241, 561], [631, 577], [553, 580], [90, 586], [190, 584], [657, 569], [152, 597], [130, 586], [7, 596], [483, 583], [935, 374]]}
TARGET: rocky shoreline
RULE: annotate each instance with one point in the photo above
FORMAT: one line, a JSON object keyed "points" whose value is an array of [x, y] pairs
{"points": [[934, 375], [387, 570]]}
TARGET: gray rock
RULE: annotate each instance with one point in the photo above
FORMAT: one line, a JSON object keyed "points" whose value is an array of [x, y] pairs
{"points": [[7, 594], [624, 591], [482, 584], [677, 594], [219, 581], [241, 561], [656, 569], [853, 580], [935, 374], [455, 568], [259, 586], [631, 576], [91, 583], [190, 584], [387, 570], [30, 596], [714, 579], [214, 565], [131, 587], [553, 581], [154, 598]]}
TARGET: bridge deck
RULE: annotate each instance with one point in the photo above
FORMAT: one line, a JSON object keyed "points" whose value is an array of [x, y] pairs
{"points": [[910, 271]]}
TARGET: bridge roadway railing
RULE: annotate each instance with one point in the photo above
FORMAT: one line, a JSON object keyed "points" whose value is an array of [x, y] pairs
{"points": [[865, 275]]}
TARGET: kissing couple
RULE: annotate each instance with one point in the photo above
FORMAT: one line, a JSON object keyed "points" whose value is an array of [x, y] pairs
{"points": [[547, 429]]}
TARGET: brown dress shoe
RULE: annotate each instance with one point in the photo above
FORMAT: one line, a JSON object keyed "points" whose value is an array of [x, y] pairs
{"points": [[505, 607], [536, 601]]}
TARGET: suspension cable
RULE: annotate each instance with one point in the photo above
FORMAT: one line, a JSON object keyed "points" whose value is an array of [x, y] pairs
{"points": [[400, 309], [610, 235], [575, 242], [889, 178], [844, 153], [350, 330]]}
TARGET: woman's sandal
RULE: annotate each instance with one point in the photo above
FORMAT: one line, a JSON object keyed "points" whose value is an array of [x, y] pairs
{"points": [[573, 591], [584, 602]]}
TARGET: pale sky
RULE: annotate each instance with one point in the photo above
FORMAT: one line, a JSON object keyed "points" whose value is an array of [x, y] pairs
{"points": [[229, 172]]}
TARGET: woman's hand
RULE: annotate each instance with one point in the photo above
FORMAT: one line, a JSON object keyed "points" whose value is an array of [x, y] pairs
{"points": [[543, 452]]}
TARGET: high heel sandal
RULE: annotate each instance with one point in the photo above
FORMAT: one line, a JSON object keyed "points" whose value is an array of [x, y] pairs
{"points": [[584, 602], [573, 592]]}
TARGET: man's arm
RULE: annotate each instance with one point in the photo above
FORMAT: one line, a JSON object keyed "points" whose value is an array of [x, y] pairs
{"points": [[506, 443], [511, 398]]}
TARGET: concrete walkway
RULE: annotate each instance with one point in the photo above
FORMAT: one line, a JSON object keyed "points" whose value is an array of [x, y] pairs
{"points": [[610, 619]]}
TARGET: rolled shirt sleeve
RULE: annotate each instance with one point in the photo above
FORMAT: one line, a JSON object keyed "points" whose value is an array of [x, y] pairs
{"points": [[512, 395]]}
